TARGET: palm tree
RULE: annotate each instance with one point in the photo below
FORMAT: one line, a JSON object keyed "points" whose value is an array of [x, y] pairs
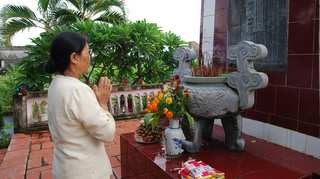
{"points": [[110, 11], [18, 18], [57, 12]]}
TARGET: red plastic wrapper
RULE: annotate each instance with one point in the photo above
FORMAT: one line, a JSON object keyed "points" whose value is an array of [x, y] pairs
{"points": [[193, 169]]}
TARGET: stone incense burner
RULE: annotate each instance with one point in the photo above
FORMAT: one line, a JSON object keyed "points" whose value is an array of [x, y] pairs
{"points": [[221, 97]]}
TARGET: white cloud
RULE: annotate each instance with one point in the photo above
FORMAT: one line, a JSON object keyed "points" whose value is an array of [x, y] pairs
{"points": [[179, 16]]}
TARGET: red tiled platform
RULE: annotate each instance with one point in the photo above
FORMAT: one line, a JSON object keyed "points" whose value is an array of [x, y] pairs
{"points": [[30, 155], [261, 160]]}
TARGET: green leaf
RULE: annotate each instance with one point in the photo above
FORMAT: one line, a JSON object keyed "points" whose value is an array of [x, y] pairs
{"points": [[43, 5], [189, 118], [75, 3], [155, 121], [16, 25], [151, 119], [13, 11], [65, 16], [7, 126], [111, 17], [107, 5], [148, 117]]}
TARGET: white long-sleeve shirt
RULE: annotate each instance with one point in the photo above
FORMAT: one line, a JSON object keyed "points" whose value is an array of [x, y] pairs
{"points": [[79, 127]]}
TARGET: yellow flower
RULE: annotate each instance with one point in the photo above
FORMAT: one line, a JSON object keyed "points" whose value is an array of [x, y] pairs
{"points": [[169, 100], [160, 95]]}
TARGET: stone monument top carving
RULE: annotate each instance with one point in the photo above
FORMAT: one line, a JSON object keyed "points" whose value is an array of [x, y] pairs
{"points": [[184, 55], [247, 79]]}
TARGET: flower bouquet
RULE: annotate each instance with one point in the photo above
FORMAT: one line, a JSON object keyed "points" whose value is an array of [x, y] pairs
{"points": [[168, 104]]}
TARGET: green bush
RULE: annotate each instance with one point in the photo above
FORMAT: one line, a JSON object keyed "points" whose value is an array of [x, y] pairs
{"points": [[5, 136], [132, 51], [7, 90], [8, 85], [32, 67]]}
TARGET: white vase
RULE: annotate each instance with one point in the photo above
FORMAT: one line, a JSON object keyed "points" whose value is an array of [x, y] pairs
{"points": [[172, 139]]}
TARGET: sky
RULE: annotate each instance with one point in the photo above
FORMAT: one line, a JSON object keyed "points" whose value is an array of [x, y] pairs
{"points": [[179, 16]]}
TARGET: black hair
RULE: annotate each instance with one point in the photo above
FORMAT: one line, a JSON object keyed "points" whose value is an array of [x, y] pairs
{"points": [[62, 46]]}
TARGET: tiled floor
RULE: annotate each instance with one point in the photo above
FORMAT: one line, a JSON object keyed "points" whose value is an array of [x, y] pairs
{"points": [[30, 155], [2, 154]]}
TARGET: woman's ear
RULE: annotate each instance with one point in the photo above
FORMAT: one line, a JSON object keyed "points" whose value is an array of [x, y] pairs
{"points": [[74, 58]]}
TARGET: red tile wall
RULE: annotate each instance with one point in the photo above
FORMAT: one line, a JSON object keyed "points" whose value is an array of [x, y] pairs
{"points": [[291, 99]]}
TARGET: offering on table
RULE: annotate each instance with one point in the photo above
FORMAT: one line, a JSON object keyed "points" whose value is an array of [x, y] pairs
{"points": [[148, 134], [193, 169]]}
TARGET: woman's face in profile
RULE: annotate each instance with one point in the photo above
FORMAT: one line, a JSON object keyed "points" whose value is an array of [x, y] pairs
{"points": [[84, 60]]}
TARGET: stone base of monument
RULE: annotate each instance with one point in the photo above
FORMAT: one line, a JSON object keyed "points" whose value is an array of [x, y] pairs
{"points": [[259, 160]]}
